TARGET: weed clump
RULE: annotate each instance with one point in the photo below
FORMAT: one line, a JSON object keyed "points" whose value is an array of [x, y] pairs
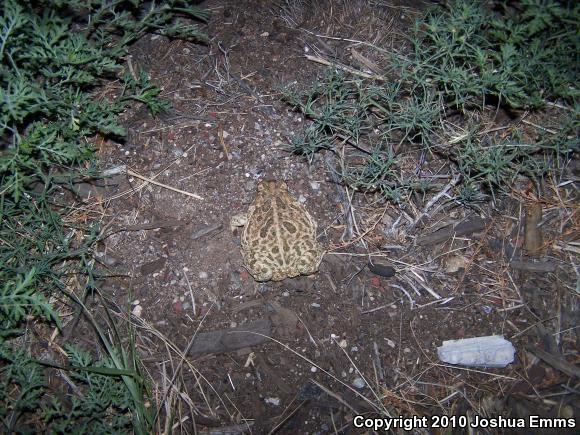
{"points": [[464, 61], [55, 56]]}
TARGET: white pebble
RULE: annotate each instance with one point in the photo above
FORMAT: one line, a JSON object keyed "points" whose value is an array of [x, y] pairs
{"points": [[359, 383], [137, 311]]}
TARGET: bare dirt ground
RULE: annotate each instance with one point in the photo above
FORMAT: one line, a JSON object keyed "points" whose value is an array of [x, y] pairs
{"points": [[345, 341]]}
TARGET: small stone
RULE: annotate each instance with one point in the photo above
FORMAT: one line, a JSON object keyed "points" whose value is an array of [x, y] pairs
{"points": [[264, 34], [203, 275], [285, 294], [455, 263], [314, 185], [391, 343], [359, 383], [315, 305], [313, 369], [137, 311], [382, 270]]}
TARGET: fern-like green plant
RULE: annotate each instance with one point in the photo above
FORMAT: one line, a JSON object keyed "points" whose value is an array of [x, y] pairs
{"points": [[55, 56]]}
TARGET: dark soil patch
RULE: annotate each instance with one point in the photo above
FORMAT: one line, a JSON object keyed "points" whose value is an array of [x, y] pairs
{"points": [[178, 262]]}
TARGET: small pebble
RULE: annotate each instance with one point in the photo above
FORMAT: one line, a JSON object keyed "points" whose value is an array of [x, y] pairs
{"points": [[315, 305], [137, 311], [359, 383], [382, 269], [313, 369], [203, 275]]}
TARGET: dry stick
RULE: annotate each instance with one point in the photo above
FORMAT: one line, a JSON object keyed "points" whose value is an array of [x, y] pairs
{"points": [[436, 198], [556, 361], [285, 419], [181, 361], [361, 236], [344, 68], [157, 183], [326, 372]]}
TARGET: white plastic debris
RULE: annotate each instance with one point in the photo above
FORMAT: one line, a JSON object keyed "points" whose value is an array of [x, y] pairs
{"points": [[490, 351]]}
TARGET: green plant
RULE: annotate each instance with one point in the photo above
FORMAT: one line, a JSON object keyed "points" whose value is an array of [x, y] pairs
{"points": [[462, 60], [519, 58], [56, 57], [100, 401]]}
